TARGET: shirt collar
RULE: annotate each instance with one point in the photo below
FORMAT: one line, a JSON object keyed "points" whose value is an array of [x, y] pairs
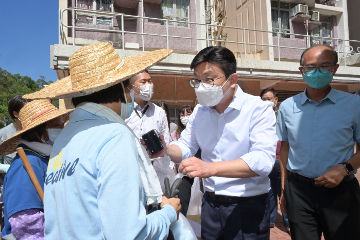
{"points": [[331, 96], [137, 106], [238, 99]]}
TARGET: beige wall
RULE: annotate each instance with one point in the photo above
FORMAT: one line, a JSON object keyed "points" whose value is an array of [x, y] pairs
{"points": [[247, 14]]}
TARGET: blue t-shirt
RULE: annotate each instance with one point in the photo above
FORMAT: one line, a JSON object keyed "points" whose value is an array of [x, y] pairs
{"points": [[19, 192]]}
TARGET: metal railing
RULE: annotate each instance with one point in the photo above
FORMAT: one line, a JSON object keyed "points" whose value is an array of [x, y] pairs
{"points": [[341, 50]]}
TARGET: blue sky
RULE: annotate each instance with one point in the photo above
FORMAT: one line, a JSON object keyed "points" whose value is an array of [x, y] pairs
{"points": [[27, 29]]}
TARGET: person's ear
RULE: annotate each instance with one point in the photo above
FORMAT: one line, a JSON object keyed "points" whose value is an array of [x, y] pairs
{"points": [[335, 68], [301, 71], [275, 100], [16, 114], [233, 80]]}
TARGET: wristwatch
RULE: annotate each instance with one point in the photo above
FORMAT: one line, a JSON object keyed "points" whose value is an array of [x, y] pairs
{"points": [[348, 167]]}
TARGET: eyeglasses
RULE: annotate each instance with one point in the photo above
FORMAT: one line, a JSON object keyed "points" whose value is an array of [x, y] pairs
{"points": [[322, 68], [195, 83]]}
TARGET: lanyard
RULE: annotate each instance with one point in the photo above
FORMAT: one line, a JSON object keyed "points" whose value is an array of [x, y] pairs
{"points": [[143, 112]]}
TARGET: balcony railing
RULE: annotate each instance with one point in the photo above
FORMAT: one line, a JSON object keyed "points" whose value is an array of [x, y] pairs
{"points": [[341, 46]]}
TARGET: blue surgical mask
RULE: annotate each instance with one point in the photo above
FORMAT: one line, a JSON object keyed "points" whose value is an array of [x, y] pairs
{"points": [[318, 78], [127, 108]]}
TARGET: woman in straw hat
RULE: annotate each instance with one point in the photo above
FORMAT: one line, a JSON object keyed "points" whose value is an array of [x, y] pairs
{"points": [[23, 208], [15, 104], [100, 177]]}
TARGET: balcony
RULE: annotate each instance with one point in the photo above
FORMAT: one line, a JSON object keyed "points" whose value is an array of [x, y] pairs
{"points": [[125, 30], [327, 7], [326, 2], [125, 33]]}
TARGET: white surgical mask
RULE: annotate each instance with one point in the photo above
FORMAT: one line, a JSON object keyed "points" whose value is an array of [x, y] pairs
{"points": [[146, 91], [210, 95], [271, 103], [53, 134], [184, 120]]}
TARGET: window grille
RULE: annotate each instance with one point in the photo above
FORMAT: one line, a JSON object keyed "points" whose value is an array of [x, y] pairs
{"points": [[176, 10], [95, 19]]}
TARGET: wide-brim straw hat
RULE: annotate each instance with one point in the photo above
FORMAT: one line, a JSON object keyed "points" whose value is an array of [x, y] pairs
{"points": [[50, 91], [96, 67], [31, 115]]}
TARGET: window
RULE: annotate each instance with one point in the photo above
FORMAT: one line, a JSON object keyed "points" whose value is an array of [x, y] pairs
{"points": [[176, 10], [321, 32], [95, 19], [280, 13]]}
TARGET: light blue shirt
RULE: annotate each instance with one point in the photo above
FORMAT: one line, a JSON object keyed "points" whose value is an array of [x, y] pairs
{"points": [[245, 130], [321, 135], [93, 188]]}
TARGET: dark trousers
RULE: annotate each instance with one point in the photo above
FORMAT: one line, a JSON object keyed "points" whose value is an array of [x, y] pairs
{"points": [[312, 210], [185, 193], [246, 220], [275, 193]]}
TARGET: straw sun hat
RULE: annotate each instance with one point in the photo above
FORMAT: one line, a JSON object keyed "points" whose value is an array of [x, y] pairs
{"points": [[31, 115], [96, 67]]}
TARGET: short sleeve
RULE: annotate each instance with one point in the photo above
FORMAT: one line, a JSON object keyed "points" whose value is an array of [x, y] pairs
{"points": [[281, 130], [164, 127], [357, 125]]}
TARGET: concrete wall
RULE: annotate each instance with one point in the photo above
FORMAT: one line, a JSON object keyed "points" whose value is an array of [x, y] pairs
{"points": [[247, 14]]}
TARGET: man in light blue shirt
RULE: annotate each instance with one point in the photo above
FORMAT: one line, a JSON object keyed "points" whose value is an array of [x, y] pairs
{"points": [[236, 133], [318, 129]]}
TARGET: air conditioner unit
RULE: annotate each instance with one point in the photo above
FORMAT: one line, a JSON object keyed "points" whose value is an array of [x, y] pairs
{"points": [[299, 9], [315, 16]]}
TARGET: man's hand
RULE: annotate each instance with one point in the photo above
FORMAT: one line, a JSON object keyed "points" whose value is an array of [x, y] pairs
{"points": [[159, 154], [332, 177], [174, 202], [283, 203], [196, 168]]}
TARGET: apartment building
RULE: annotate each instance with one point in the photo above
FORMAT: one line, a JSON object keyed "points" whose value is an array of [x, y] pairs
{"points": [[266, 36]]}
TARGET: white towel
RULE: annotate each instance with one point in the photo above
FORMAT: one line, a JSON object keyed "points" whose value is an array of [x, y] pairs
{"points": [[148, 175]]}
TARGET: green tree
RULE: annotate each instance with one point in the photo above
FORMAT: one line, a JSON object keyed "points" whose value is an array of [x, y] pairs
{"points": [[41, 82], [15, 84]]}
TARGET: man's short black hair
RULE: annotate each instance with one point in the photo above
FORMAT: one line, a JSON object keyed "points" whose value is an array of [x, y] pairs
{"points": [[275, 93], [303, 54], [133, 78], [107, 95], [219, 55], [16, 104]]}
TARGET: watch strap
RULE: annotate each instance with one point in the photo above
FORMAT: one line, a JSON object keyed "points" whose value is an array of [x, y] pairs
{"points": [[349, 168]]}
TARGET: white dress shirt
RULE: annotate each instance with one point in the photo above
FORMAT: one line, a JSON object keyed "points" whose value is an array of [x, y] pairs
{"points": [[245, 130], [154, 118]]}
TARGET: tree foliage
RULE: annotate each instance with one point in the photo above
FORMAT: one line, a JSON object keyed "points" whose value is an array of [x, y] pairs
{"points": [[14, 84]]}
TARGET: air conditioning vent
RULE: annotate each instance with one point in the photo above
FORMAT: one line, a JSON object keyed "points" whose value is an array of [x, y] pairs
{"points": [[315, 16], [299, 9]]}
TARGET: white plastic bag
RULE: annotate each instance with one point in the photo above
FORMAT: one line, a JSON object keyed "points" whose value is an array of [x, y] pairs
{"points": [[163, 170], [194, 210], [182, 230]]}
